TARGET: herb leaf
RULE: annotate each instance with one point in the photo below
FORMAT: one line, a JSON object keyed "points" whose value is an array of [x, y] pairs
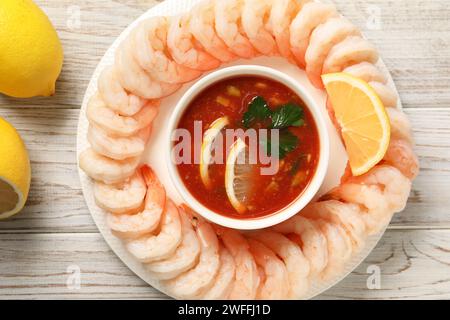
{"points": [[287, 143], [258, 110], [287, 115]]}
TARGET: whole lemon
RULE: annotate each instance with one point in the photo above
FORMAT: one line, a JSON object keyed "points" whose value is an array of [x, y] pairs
{"points": [[15, 171], [31, 54]]}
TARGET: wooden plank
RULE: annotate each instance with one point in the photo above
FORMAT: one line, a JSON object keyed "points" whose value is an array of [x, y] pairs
{"points": [[413, 40], [36, 266], [413, 265], [429, 201], [56, 203]]}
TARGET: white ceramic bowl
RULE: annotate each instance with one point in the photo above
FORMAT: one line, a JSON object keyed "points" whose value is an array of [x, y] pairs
{"points": [[302, 200]]}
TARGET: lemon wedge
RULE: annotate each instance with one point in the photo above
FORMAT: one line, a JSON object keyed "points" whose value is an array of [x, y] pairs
{"points": [[14, 171], [238, 176], [362, 117], [209, 137]]}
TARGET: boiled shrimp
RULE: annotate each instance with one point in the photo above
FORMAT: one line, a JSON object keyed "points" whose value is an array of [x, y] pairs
{"points": [[123, 198], [390, 180], [193, 283], [384, 190], [255, 19], [387, 96], [153, 55], [225, 277], [154, 247], [297, 265], [202, 27], [128, 226], [184, 258], [366, 71], [281, 16], [400, 125], [339, 247], [346, 215], [375, 210], [134, 78], [310, 16], [107, 170], [229, 27], [113, 123], [322, 40], [118, 148], [312, 241], [352, 50], [247, 280], [184, 48], [115, 96], [276, 282], [400, 154]]}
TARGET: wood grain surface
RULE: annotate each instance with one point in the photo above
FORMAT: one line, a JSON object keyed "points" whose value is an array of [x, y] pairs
{"points": [[55, 233]]}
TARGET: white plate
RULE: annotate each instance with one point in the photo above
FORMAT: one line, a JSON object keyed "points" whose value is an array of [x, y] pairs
{"points": [[155, 158]]}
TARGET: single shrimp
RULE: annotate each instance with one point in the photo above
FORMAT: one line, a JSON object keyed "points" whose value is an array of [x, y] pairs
{"points": [[134, 78], [384, 190], [400, 154], [400, 125], [184, 258], [346, 215], [115, 124], [366, 71], [185, 49], [202, 27], [152, 53], [109, 171], [225, 277], [375, 210], [255, 19], [193, 283], [276, 281], [352, 50], [312, 241], [131, 226], [297, 265], [390, 180], [154, 247], [123, 198], [339, 247], [310, 16], [387, 96], [322, 40], [118, 148], [115, 96], [281, 16], [229, 27], [247, 279]]}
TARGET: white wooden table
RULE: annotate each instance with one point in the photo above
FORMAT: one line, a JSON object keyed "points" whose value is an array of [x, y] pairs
{"points": [[54, 235]]}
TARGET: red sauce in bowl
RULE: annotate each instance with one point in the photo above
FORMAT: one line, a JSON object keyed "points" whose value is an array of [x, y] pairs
{"points": [[267, 194]]}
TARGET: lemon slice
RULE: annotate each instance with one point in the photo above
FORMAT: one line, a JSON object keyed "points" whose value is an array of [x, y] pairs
{"points": [[362, 117], [238, 176], [14, 171], [209, 137]]}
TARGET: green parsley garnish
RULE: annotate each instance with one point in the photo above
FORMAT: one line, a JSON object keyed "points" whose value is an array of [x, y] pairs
{"points": [[283, 117], [287, 115], [258, 110]]}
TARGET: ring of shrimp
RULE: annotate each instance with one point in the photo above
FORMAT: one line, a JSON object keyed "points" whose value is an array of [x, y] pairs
{"points": [[197, 260]]}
